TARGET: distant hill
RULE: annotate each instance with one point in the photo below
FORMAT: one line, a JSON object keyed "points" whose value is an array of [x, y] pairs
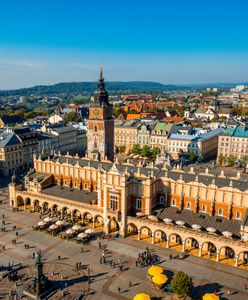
{"points": [[82, 87]]}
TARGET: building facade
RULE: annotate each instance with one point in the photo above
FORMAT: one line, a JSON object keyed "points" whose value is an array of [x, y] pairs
{"points": [[234, 141]]}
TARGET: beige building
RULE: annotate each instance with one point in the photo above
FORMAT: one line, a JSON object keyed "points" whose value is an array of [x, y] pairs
{"points": [[126, 134], [204, 144], [159, 135], [11, 154], [233, 141]]}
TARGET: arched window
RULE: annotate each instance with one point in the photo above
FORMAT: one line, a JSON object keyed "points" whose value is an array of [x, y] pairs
{"points": [[173, 203], [204, 208], [238, 215], [95, 128], [220, 212], [188, 205]]}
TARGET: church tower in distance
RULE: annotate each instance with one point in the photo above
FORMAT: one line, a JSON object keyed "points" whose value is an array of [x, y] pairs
{"points": [[101, 125]]}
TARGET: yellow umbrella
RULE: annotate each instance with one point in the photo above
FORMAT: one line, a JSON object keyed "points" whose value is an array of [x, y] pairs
{"points": [[155, 270], [210, 297], [159, 279], [142, 296]]}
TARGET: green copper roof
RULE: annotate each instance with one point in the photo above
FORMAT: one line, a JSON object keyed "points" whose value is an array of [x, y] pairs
{"points": [[239, 131], [163, 126]]}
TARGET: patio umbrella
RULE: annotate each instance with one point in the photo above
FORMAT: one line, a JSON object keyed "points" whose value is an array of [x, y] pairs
{"points": [[167, 220], [227, 233], [196, 226], [159, 279], [41, 223], [76, 227], [69, 231], [211, 229], [153, 218], [210, 297], [180, 223], [52, 227], [155, 270], [82, 235], [90, 230], [60, 223], [47, 219], [142, 296]]}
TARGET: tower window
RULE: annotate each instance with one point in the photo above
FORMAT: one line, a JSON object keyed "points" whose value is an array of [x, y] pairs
{"points": [[173, 202], [161, 200], [95, 128], [220, 212], [138, 203], [204, 208], [238, 215], [188, 205]]}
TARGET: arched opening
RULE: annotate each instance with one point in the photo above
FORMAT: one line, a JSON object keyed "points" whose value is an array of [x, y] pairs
{"points": [[65, 212], [243, 260], [98, 221], [175, 242], [146, 234], [27, 203], [20, 202], [132, 230], [209, 250], [192, 246], [36, 205], [227, 256], [76, 215], [160, 238], [113, 226], [45, 207], [87, 219]]}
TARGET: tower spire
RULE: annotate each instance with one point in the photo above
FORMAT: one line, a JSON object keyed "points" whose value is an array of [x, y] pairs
{"points": [[101, 97], [100, 74]]}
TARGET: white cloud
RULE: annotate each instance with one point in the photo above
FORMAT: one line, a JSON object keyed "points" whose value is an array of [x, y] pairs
{"points": [[23, 63]]}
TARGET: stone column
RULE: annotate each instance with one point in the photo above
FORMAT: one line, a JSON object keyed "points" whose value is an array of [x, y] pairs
{"points": [[183, 245], [236, 260], [168, 242], [153, 237], [138, 235], [217, 255], [200, 250]]}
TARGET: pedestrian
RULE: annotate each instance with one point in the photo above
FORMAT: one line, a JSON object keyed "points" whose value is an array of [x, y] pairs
{"points": [[17, 233], [170, 256], [136, 263], [100, 245], [215, 292], [130, 284], [59, 257], [82, 250], [119, 290], [245, 286], [228, 292]]}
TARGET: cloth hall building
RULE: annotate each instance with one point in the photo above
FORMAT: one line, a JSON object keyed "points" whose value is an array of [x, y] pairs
{"points": [[203, 214]]}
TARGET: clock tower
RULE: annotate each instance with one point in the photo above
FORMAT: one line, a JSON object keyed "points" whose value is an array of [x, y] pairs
{"points": [[100, 133]]}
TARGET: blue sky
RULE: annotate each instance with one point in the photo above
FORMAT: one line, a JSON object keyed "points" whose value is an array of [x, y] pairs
{"points": [[179, 41]]}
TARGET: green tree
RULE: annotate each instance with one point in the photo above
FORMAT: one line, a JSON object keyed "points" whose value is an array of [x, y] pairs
{"points": [[182, 284], [72, 117], [221, 159], [136, 149], [122, 149], [192, 156], [231, 160]]}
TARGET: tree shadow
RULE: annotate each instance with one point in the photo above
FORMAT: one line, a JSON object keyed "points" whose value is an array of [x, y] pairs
{"points": [[200, 290]]}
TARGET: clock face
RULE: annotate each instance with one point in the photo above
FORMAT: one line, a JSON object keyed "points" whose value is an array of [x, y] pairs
{"points": [[96, 112]]}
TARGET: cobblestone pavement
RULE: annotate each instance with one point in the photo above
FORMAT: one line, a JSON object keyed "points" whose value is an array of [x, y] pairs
{"points": [[105, 280]]}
